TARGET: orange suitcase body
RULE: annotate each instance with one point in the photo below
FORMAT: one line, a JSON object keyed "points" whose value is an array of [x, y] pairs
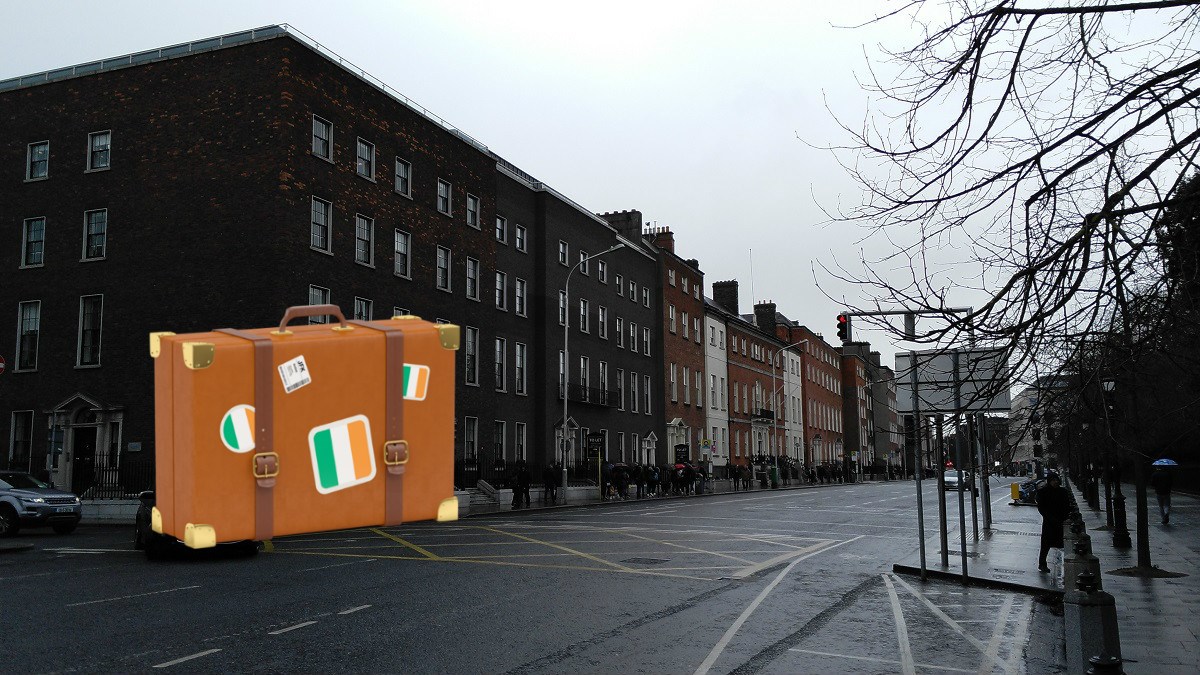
{"points": [[266, 433]]}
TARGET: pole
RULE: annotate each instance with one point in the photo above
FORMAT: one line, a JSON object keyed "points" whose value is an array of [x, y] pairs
{"points": [[987, 476], [566, 393], [941, 481], [916, 430], [958, 460], [975, 472]]}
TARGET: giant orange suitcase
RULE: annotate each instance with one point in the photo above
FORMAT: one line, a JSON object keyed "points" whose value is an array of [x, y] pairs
{"points": [[264, 433]]}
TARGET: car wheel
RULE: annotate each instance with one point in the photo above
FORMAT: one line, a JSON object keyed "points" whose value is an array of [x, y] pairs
{"points": [[9, 523], [65, 529]]}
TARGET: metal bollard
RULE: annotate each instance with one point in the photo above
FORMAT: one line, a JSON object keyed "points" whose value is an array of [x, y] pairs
{"points": [[1090, 623], [1103, 664], [1079, 561]]}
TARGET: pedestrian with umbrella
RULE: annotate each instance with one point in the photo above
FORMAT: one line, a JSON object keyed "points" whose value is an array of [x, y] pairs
{"points": [[1161, 480]]}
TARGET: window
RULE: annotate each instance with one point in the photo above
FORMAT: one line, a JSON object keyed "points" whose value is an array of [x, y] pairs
{"points": [[473, 211], [498, 438], [95, 233], [520, 237], [364, 240], [87, 349], [646, 341], [362, 309], [37, 165], [520, 294], [699, 381], [723, 400], [633, 336], [633, 291], [443, 268], [583, 317], [602, 322], [562, 308], [471, 437], [318, 296], [671, 277], [399, 311], [471, 355], [501, 354], [685, 325], [687, 396], [365, 165], [322, 219], [619, 285], [562, 252], [620, 331], [620, 389], [602, 271], [585, 375], [646, 297], [29, 328], [696, 291], [646, 394], [502, 291], [621, 445], [520, 363], [322, 138], [403, 177], [696, 328], [99, 144], [634, 447], [684, 282], [501, 230], [443, 197], [33, 242], [403, 264], [712, 391], [604, 383], [671, 318], [675, 386], [472, 278], [22, 438], [633, 392], [520, 439], [583, 262]]}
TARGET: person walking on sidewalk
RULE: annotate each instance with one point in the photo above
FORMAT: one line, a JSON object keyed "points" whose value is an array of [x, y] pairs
{"points": [[1054, 503], [1161, 480]]}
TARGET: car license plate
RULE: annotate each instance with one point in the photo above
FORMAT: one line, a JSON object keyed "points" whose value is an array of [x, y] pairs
{"points": [[65, 509]]}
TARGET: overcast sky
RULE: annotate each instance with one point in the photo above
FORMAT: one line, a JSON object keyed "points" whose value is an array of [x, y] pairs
{"points": [[687, 111]]}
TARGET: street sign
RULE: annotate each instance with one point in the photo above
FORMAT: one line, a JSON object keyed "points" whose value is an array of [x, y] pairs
{"points": [[981, 372], [682, 453]]}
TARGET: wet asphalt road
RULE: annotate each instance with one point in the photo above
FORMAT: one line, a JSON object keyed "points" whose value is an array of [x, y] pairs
{"points": [[795, 581]]}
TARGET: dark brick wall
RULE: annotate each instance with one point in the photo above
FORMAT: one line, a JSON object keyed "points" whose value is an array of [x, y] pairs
{"points": [[683, 347]]}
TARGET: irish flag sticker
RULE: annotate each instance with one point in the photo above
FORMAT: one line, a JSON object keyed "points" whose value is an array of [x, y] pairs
{"points": [[416, 382], [237, 428], [342, 454]]}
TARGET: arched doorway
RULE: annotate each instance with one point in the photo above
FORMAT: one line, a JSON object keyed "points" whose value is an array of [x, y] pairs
{"points": [[84, 451]]}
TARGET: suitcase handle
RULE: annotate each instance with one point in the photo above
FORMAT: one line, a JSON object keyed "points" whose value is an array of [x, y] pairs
{"points": [[300, 311]]}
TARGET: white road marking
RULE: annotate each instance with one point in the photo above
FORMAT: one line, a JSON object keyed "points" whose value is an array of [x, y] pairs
{"points": [[754, 569], [906, 658], [92, 550], [289, 628], [126, 597], [356, 562], [875, 660], [1021, 634], [737, 624], [197, 655], [354, 609], [950, 622]]}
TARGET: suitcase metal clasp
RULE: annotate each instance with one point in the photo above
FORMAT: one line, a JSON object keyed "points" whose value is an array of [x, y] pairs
{"points": [[395, 455], [266, 466]]}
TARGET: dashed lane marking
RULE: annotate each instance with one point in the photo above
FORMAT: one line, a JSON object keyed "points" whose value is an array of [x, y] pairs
{"points": [[291, 628], [354, 609], [906, 657], [875, 660], [197, 655], [766, 564], [136, 595], [325, 567]]}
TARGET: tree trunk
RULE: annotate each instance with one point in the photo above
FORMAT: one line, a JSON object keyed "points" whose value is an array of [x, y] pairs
{"points": [[1143, 522]]}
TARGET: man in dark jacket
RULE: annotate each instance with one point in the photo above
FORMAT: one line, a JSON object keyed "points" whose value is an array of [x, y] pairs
{"points": [[1054, 503], [1161, 481]]}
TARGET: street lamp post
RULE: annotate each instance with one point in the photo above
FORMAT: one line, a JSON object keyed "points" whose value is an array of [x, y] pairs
{"points": [[774, 407], [566, 392]]}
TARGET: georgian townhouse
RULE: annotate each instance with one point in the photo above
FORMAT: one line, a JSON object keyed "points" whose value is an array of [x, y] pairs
{"points": [[716, 367]]}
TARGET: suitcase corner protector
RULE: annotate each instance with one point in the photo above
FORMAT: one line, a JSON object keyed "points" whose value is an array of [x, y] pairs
{"points": [[156, 342], [448, 510], [450, 335], [156, 520], [199, 536], [198, 355]]}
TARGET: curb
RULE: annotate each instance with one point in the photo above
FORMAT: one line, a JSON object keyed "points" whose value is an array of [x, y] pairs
{"points": [[973, 581]]}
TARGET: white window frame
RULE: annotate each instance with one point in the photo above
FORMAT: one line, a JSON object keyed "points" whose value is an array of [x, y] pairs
{"points": [[502, 229], [646, 342], [632, 291], [683, 319], [687, 375], [562, 308], [405, 237], [402, 177], [473, 269], [473, 212], [671, 277], [447, 255], [671, 318], [521, 301], [470, 437], [620, 330], [312, 146], [79, 333], [646, 393], [327, 213], [645, 296], [521, 365], [501, 291], [564, 251], [359, 161], [92, 152], [584, 263], [584, 313], [84, 257], [621, 388], [500, 438], [633, 392], [445, 197], [471, 356], [29, 161], [674, 384], [13, 439], [520, 234], [602, 322], [633, 335], [602, 271], [519, 439], [26, 241], [500, 352], [619, 281], [321, 295], [365, 304], [360, 219]]}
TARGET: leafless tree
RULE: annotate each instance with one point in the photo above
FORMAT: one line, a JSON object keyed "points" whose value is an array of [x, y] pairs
{"points": [[1020, 155]]}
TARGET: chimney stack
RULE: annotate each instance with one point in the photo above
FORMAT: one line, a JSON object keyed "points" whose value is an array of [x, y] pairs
{"points": [[764, 316], [627, 223], [725, 294]]}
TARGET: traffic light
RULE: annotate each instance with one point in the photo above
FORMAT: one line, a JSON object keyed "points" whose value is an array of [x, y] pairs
{"points": [[843, 327]]}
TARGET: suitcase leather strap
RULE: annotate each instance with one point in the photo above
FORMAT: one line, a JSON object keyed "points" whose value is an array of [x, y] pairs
{"points": [[395, 449], [265, 461]]}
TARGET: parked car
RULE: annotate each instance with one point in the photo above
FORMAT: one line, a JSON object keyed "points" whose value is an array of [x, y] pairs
{"points": [[159, 546], [952, 481], [1029, 489], [28, 502]]}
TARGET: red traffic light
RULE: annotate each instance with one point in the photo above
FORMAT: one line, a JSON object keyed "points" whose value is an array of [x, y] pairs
{"points": [[843, 327]]}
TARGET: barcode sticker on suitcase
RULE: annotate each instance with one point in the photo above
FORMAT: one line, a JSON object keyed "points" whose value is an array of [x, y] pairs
{"points": [[294, 374]]}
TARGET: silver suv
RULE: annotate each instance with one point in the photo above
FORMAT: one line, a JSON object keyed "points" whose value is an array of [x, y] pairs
{"points": [[28, 502]]}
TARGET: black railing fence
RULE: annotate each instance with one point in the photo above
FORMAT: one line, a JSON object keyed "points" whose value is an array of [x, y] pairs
{"points": [[112, 482]]}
